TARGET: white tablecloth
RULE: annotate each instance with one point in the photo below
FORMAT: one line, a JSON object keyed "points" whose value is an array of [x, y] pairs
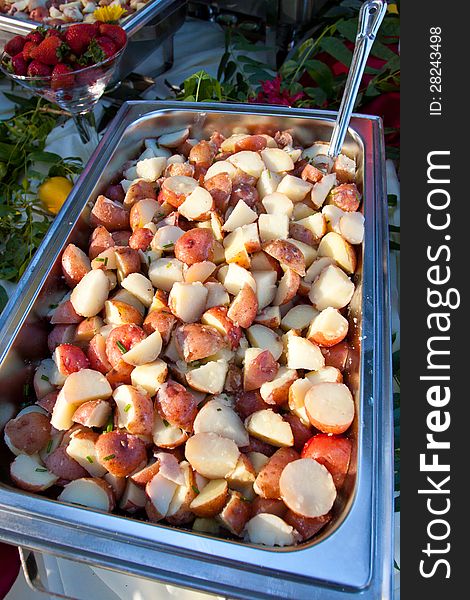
{"points": [[198, 45]]}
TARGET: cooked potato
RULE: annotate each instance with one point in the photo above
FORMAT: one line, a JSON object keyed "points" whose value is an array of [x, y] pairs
{"points": [[144, 351], [266, 339], [199, 272], [206, 525], [160, 492], [306, 527], [91, 492], [122, 339], [236, 278], [166, 435], [195, 341], [267, 183], [259, 367], [330, 407], [65, 314], [328, 328], [331, 288], [195, 246], [85, 385], [69, 359], [257, 460], [174, 139], [97, 356], [277, 160], [28, 473], [179, 512], [134, 410], [277, 390], [287, 254], [288, 287], [211, 500], [325, 375], [235, 514], [150, 169], [120, 453], [94, 413], [143, 476], [221, 166], [270, 427], [267, 480], [216, 417], [269, 317], [28, 433], [307, 488], [150, 376], [244, 307], [346, 196], [351, 226], [317, 267], [120, 313], [269, 506], [241, 215], [60, 334], [321, 189], [143, 212], [133, 498], [333, 216], [273, 227], [310, 253], [208, 378], [176, 405], [87, 329], [265, 282], [216, 295], [316, 224], [90, 294], [140, 287], [75, 265], [176, 189], [247, 403], [217, 318], [270, 530], [303, 354], [296, 399], [331, 451], [278, 204], [235, 249], [64, 466], [100, 241], [211, 455], [302, 432], [164, 272], [298, 317], [138, 190], [82, 448], [109, 214], [197, 205], [294, 188], [341, 251], [187, 301], [247, 161]]}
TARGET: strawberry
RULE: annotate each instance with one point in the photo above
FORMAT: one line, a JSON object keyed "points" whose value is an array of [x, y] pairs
{"points": [[27, 49], [35, 36], [54, 32], [107, 46], [115, 33], [38, 69], [60, 77], [20, 66], [15, 45], [50, 51], [78, 37]]}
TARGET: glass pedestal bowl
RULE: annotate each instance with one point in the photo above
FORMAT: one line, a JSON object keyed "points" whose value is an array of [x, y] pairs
{"points": [[77, 92]]}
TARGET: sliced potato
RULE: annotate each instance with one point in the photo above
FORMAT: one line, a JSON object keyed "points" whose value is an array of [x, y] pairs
{"points": [[267, 480], [288, 287], [208, 378], [187, 301], [82, 448], [235, 514], [211, 500], [309, 252], [307, 488], [144, 352], [297, 392], [235, 249], [336, 247], [330, 407], [62, 413], [166, 435], [197, 205], [174, 139], [199, 272], [269, 530], [28, 473], [241, 215], [258, 460], [294, 188], [216, 295], [221, 166], [166, 237], [249, 162], [265, 283], [90, 294], [259, 367], [164, 272], [236, 278], [266, 339], [303, 354], [273, 227], [150, 376], [94, 413], [91, 492], [278, 204], [134, 410], [160, 492], [317, 267], [267, 183], [331, 288], [133, 498], [328, 328], [321, 190], [211, 455], [216, 417], [288, 255], [327, 374], [150, 169], [277, 160], [179, 512], [299, 317], [351, 227], [316, 224], [269, 317], [85, 385], [333, 216], [277, 390], [270, 427]]}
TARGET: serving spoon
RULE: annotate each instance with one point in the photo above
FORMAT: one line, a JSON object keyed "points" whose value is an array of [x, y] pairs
{"points": [[370, 18]]}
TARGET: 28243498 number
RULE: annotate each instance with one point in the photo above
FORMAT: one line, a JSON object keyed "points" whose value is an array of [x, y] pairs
{"points": [[435, 72]]}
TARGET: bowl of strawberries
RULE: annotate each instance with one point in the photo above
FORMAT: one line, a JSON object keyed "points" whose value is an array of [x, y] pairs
{"points": [[69, 66]]}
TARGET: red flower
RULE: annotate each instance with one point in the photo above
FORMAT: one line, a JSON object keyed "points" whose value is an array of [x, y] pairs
{"points": [[273, 94]]}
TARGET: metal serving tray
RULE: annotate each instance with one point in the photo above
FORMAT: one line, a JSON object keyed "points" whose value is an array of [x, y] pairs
{"points": [[353, 555], [152, 26]]}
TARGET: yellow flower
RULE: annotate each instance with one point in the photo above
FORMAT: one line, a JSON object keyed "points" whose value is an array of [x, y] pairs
{"points": [[109, 14], [53, 193]]}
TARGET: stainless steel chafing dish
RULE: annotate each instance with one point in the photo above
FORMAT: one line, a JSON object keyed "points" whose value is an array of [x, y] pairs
{"points": [[353, 555], [152, 26]]}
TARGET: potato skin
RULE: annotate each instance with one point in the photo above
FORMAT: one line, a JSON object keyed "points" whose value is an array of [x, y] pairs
{"points": [[109, 214], [267, 481], [305, 526], [247, 403], [337, 355], [29, 432], [162, 321], [75, 265], [256, 445], [176, 405], [346, 197], [331, 451], [195, 246], [235, 514], [120, 453], [287, 254], [100, 241], [244, 308], [268, 505], [96, 353], [140, 238], [254, 143], [128, 336], [260, 370], [220, 188], [195, 341], [202, 154], [302, 433], [63, 465], [48, 401], [70, 359], [247, 193]]}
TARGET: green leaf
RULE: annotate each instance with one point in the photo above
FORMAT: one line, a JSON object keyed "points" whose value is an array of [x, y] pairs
{"points": [[317, 95], [3, 298], [47, 157], [348, 29], [321, 74], [337, 49]]}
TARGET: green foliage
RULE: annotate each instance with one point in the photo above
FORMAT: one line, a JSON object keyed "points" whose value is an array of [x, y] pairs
{"points": [[23, 167]]}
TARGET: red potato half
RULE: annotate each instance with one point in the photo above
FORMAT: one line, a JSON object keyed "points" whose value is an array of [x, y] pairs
{"points": [[307, 488], [235, 514], [121, 340], [301, 431], [70, 359], [331, 288], [346, 197], [334, 246], [145, 351], [133, 498], [303, 354], [139, 190], [195, 246], [209, 378], [216, 417], [270, 530], [75, 265], [120, 313], [243, 309], [287, 254], [90, 492], [160, 492], [187, 301], [198, 205], [120, 453], [259, 368], [87, 329], [328, 328], [330, 407], [150, 376], [217, 318], [179, 512], [165, 272], [166, 435], [270, 427], [276, 392], [337, 356], [332, 451], [246, 403], [94, 413], [195, 341], [269, 317], [134, 410], [211, 455], [28, 433], [176, 189], [268, 505], [90, 294], [100, 241], [64, 466], [85, 385], [211, 500], [176, 405], [143, 212], [267, 481], [288, 287], [262, 337], [81, 446], [306, 527], [109, 214], [28, 473], [327, 374], [143, 476], [65, 314], [97, 356]]}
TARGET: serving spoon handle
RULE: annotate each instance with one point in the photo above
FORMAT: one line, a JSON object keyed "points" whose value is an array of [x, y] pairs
{"points": [[370, 18]]}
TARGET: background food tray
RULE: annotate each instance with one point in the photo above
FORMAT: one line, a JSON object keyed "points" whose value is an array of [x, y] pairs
{"points": [[353, 555]]}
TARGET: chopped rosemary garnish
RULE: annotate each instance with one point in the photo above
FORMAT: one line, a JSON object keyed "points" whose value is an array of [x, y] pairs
{"points": [[219, 409], [110, 457], [170, 245], [26, 389], [90, 460], [127, 408], [44, 377], [101, 259], [195, 489], [168, 266], [121, 346], [38, 470], [109, 426], [165, 422], [53, 306], [49, 446], [149, 259]]}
